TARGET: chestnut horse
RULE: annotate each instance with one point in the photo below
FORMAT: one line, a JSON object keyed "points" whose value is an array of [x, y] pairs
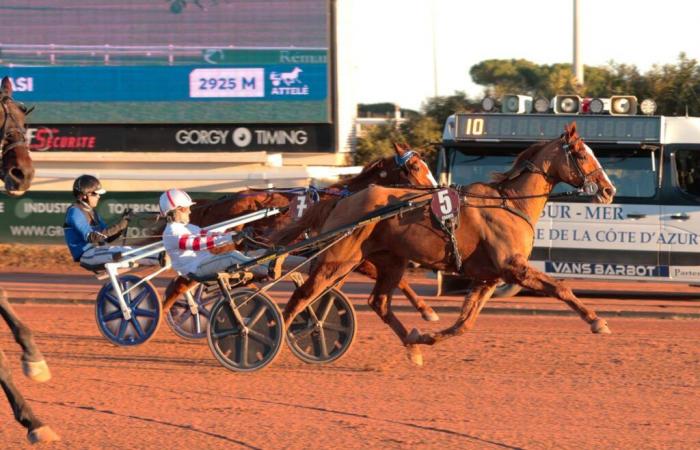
{"points": [[404, 168], [17, 173], [494, 237]]}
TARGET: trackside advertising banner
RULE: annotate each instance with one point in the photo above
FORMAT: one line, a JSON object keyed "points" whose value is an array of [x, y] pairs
{"points": [[37, 217], [165, 83], [224, 137], [174, 94]]}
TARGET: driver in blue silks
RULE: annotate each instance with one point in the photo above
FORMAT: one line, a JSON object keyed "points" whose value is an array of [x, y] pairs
{"points": [[85, 232]]}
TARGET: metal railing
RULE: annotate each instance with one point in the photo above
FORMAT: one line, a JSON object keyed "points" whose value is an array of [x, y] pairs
{"points": [[54, 54]]}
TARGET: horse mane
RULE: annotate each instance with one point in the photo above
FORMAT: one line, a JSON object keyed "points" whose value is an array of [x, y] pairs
{"points": [[360, 177], [522, 156]]}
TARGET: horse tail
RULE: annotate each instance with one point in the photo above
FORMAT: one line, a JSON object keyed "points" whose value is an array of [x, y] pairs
{"points": [[313, 219]]}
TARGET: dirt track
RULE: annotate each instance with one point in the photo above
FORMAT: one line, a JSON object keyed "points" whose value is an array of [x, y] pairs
{"points": [[514, 382]]}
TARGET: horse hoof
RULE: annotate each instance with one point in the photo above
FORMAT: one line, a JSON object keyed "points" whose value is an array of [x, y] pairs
{"points": [[429, 315], [415, 355], [36, 370], [42, 434], [600, 326], [413, 337]]}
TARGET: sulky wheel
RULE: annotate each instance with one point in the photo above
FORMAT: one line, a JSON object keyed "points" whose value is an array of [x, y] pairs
{"points": [[145, 307], [189, 316], [324, 331], [248, 338]]}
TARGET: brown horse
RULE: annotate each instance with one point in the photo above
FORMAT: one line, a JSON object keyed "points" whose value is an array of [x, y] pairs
{"points": [[494, 237], [404, 168], [17, 173]]}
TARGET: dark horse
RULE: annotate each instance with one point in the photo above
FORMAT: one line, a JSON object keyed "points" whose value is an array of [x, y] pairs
{"points": [[494, 237], [404, 168], [17, 173]]}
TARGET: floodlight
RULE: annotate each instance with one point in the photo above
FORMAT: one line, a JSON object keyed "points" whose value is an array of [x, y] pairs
{"points": [[516, 104], [599, 105], [488, 104], [541, 105], [648, 106]]}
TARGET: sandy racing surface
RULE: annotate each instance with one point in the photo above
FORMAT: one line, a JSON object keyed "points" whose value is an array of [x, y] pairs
{"points": [[513, 382]]}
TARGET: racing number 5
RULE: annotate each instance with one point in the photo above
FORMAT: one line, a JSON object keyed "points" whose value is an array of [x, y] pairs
{"points": [[445, 202]]}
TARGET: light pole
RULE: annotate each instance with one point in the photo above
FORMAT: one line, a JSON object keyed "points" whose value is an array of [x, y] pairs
{"points": [[432, 28], [578, 62]]}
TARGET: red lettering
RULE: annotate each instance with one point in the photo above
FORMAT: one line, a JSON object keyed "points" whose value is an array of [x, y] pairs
{"points": [[48, 138], [42, 138]]}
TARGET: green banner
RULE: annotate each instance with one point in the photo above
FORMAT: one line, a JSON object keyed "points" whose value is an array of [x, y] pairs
{"points": [[233, 56], [38, 217]]}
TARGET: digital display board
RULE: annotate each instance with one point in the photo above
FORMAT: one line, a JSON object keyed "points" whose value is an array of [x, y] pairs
{"points": [[535, 127], [172, 61]]}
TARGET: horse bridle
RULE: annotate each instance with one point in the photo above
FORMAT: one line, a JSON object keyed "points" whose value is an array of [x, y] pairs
{"points": [[5, 131], [587, 186], [401, 161]]}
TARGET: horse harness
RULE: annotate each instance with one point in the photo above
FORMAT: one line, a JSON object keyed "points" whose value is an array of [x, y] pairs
{"points": [[448, 227], [586, 188]]}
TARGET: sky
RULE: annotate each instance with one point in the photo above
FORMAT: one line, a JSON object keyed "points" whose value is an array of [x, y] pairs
{"points": [[393, 40]]}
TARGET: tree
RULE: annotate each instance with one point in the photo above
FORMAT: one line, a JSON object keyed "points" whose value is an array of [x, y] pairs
{"points": [[440, 108], [419, 131], [509, 76], [377, 142], [676, 87], [673, 86]]}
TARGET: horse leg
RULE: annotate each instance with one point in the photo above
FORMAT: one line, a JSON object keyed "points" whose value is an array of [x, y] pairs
{"points": [[36, 430], [175, 289], [33, 363], [427, 313], [321, 277], [471, 307], [518, 271], [389, 273]]}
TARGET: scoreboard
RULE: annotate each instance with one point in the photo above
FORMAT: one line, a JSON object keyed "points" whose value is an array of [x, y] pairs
{"points": [[535, 127], [136, 62]]}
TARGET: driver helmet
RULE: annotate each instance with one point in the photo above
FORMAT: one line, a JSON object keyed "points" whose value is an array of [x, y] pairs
{"points": [[172, 199], [87, 184]]}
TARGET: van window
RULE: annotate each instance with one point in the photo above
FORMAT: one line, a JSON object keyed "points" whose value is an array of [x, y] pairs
{"points": [[631, 171], [467, 169], [688, 171]]}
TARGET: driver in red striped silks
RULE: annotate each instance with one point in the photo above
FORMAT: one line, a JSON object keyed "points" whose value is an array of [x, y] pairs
{"points": [[187, 245]]}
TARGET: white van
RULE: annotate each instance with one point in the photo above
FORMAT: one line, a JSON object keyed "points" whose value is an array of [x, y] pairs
{"points": [[649, 232]]}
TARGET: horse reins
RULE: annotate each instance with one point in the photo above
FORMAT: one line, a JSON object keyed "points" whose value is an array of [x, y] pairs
{"points": [[586, 187]]}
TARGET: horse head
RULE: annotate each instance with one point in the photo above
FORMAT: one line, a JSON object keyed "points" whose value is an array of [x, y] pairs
{"points": [[569, 159], [17, 170], [405, 167], [583, 169]]}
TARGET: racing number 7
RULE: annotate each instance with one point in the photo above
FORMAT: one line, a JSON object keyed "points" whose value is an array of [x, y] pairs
{"points": [[301, 205]]}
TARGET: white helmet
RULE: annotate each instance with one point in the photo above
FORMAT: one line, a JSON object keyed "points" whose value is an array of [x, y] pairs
{"points": [[174, 198]]}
